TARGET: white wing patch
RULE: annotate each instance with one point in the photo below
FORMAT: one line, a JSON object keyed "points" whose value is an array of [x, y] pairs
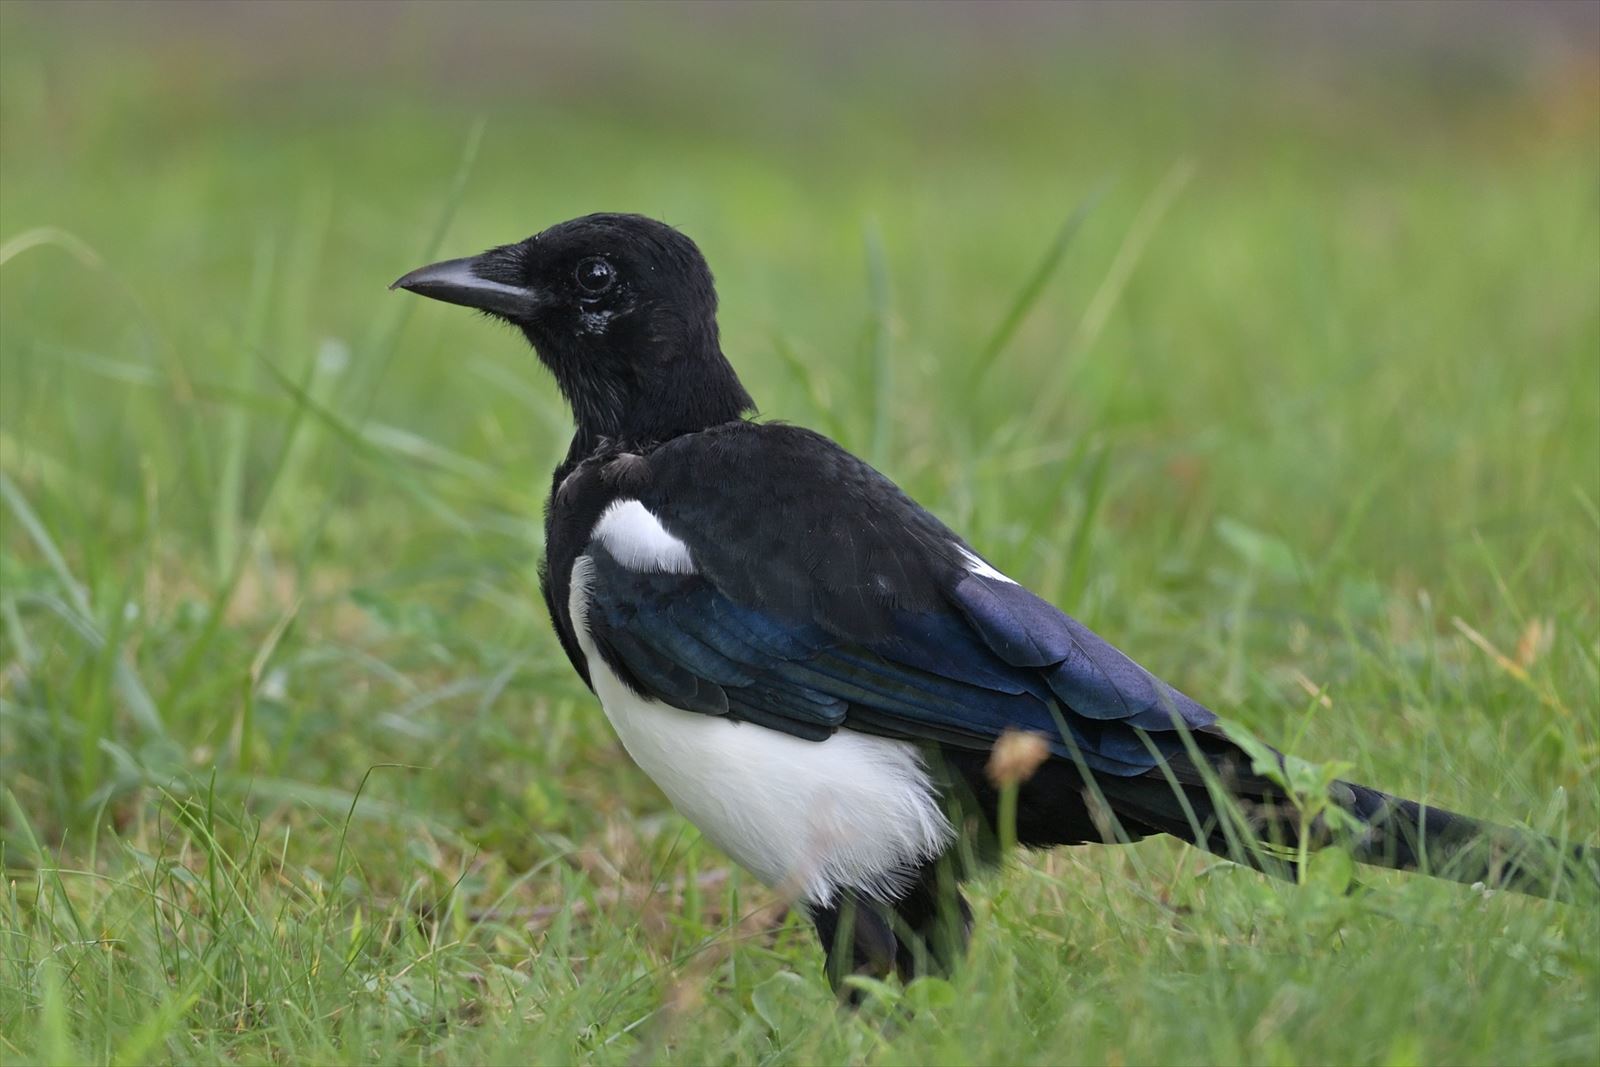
{"points": [[976, 564], [810, 817], [639, 542]]}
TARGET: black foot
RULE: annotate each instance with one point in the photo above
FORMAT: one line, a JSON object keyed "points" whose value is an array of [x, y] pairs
{"points": [[925, 931]]}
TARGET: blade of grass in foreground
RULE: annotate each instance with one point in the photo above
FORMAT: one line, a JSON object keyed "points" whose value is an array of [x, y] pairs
{"points": [[1033, 287], [128, 684], [882, 369], [236, 425], [361, 387], [1104, 301]]}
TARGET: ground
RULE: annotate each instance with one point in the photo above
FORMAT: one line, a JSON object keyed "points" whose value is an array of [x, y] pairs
{"points": [[1269, 349]]}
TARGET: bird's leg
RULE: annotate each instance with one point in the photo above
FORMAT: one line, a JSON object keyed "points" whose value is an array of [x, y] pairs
{"points": [[932, 922], [857, 938], [925, 931]]}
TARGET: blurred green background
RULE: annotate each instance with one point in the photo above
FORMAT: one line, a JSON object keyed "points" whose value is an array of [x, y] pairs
{"points": [[1264, 339]]}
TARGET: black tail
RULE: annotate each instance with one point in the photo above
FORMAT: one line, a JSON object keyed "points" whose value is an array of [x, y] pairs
{"points": [[1227, 808], [1211, 797], [1406, 836]]}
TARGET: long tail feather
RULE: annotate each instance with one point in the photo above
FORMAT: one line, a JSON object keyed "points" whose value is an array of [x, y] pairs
{"points": [[1263, 828], [1403, 835]]}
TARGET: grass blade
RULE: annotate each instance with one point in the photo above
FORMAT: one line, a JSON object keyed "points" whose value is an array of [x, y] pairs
{"points": [[880, 352], [127, 682], [236, 428], [1131, 251], [1034, 286]]}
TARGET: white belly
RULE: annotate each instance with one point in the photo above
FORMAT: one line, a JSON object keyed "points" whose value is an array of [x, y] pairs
{"points": [[810, 817]]}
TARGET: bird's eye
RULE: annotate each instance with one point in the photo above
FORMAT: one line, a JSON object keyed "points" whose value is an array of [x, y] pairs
{"points": [[595, 275]]}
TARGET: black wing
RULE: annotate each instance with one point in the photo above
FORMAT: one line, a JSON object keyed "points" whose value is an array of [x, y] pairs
{"points": [[823, 598]]}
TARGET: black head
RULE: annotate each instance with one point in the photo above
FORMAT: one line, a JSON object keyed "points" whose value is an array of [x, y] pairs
{"points": [[622, 310]]}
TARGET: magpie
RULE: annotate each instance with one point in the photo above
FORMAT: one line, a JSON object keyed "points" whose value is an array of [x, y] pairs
{"points": [[816, 671]]}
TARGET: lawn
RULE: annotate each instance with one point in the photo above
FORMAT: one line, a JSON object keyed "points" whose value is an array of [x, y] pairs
{"points": [[1268, 346]]}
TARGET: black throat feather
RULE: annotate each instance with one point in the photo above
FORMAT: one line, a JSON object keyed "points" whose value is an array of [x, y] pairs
{"points": [[648, 379]]}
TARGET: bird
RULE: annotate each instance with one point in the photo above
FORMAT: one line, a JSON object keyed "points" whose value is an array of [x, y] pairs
{"points": [[834, 687]]}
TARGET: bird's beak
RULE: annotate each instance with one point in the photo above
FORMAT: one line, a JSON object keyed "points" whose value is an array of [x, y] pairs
{"points": [[458, 281]]}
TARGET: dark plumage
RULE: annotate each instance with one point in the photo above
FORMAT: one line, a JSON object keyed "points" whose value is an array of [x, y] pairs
{"points": [[861, 658]]}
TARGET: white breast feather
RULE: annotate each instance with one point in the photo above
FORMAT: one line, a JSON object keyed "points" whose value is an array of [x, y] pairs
{"points": [[810, 817]]}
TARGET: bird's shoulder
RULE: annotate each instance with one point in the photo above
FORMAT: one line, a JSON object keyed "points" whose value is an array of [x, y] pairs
{"points": [[781, 516]]}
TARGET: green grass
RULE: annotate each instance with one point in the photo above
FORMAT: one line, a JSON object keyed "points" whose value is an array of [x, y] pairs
{"points": [[1282, 371]]}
